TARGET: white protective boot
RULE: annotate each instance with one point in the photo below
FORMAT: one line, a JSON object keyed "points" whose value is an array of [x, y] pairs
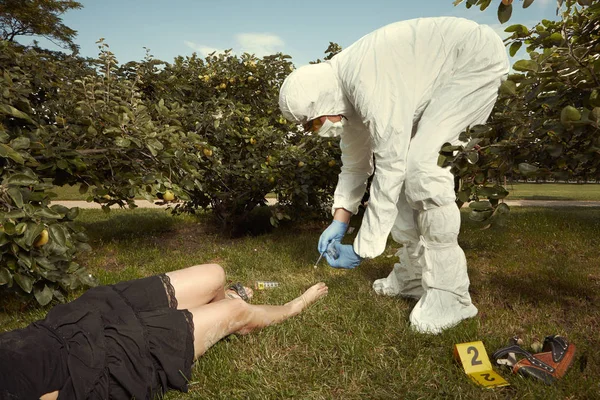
{"points": [[446, 301], [405, 278]]}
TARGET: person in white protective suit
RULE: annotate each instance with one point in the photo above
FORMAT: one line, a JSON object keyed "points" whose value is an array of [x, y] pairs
{"points": [[395, 97]]}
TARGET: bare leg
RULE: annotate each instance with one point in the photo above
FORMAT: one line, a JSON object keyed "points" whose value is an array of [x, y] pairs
{"points": [[214, 321], [50, 396], [198, 285]]}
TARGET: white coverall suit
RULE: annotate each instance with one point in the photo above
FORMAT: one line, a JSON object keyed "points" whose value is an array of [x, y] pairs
{"points": [[406, 89]]}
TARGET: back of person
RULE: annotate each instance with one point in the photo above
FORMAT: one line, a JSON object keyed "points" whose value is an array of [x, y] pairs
{"points": [[420, 52]]}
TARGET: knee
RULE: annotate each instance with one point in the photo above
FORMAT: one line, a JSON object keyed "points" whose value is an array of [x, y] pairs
{"points": [[429, 186], [215, 271], [241, 313], [440, 224]]}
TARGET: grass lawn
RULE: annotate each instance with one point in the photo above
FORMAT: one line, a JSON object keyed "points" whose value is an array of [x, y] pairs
{"points": [[554, 191], [537, 276]]}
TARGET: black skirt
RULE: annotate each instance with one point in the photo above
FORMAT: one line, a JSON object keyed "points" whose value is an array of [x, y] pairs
{"points": [[122, 341]]}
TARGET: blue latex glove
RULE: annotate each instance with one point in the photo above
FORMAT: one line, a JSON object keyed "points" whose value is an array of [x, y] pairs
{"points": [[335, 231], [342, 256]]}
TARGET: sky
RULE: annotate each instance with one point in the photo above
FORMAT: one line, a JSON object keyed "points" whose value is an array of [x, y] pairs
{"points": [[301, 29]]}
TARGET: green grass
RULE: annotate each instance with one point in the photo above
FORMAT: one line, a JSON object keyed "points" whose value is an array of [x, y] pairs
{"points": [[67, 192], [537, 276], [554, 191]]}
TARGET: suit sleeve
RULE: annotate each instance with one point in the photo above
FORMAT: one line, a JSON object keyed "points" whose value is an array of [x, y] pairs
{"points": [[357, 167], [378, 83]]}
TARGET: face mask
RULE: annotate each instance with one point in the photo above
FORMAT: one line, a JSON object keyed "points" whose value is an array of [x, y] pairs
{"points": [[331, 129]]}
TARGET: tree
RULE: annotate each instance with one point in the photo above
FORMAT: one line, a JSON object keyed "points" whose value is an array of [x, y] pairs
{"points": [[505, 7], [331, 51], [37, 18], [547, 118], [39, 242]]}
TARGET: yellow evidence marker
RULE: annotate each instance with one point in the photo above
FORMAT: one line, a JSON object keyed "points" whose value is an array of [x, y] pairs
{"points": [[477, 365]]}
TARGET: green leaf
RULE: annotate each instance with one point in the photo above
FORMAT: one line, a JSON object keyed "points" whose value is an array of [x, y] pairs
{"points": [[25, 260], [514, 48], [442, 160], [13, 112], [526, 65], [15, 214], [83, 188], [21, 180], [569, 114], [464, 195], [517, 28], [44, 263], [59, 209], [502, 208], [5, 277], [122, 142], [508, 87], [484, 4], [528, 169], [58, 235], [8, 152], [156, 144], [473, 157], [555, 150], [3, 238], [25, 282], [481, 216], [9, 228], [20, 228], [20, 143], [480, 131], [504, 12], [47, 213], [73, 213], [595, 98], [43, 296], [527, 3], [32, 232], [479, 178], [480, 205]]}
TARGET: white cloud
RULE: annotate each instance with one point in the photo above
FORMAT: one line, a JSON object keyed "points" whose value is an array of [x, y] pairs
{"points": [[202, 50], [261, 44]]}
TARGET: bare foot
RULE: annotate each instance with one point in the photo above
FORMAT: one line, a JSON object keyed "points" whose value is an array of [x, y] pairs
{"points": [[312, 294], [232, 294]]}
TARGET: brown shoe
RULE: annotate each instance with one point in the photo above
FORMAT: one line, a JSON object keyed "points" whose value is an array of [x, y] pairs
{"points": [[549, 365]]}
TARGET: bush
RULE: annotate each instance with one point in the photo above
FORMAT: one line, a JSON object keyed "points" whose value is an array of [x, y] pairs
{"points": [[38, 242]]}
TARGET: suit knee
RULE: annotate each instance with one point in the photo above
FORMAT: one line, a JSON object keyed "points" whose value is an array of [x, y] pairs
{"points": [[430, 189]]}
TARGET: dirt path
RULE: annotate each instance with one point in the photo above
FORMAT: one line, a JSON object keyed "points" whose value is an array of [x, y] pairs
{"points": [[511, 203]]}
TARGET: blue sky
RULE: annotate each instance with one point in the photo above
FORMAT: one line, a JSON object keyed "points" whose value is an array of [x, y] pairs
{"points": [[302, 29]]}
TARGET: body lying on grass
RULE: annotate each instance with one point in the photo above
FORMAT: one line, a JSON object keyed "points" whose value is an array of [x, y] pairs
{"points": [[134, 339]]}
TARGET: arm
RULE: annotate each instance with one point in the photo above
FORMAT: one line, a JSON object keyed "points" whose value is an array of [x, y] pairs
{"points": [[357, 167], [381, 213], [380, 78]]}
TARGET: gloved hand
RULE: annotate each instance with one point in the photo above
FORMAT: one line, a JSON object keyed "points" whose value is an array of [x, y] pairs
{"points": [[335, 231], [342, 256]]}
